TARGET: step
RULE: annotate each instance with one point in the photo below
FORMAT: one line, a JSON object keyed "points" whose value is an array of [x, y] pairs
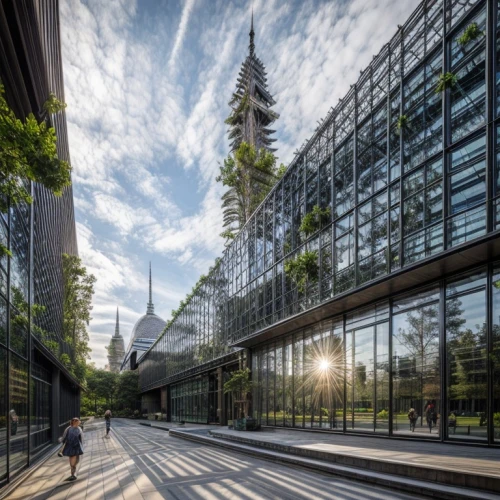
{"points": [[360, 472]]}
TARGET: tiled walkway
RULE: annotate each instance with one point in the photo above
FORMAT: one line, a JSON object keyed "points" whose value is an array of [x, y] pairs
{"points": [[141, 463]]}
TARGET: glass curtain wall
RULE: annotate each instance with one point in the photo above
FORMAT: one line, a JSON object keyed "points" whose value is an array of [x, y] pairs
{"points": [[419, 365], [403, 167], [189, 400]]}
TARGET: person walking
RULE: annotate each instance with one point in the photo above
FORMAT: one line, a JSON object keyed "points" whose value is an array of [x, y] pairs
{"points": [[107, 417], [430, 414], [73, 445]]}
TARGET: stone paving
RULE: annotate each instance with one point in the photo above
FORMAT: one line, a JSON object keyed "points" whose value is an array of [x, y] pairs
{"points": [[141, 463]]}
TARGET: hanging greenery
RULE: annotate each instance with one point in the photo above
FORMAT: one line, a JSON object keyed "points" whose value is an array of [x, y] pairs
{"points": [[446, 81], [402, 123], [472, 32], [28, 153], [313, 220], [201, 281], [303, 269]]}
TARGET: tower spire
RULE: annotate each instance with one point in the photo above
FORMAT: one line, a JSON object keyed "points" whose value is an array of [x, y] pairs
{"points": [[151, 307], [117, 327], [252, 34]]}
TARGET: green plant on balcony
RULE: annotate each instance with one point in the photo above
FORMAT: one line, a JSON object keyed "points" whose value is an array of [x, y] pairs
{"points": [[402, 123], [313, 220], [446, 81], [471, 32], [303, 269]]}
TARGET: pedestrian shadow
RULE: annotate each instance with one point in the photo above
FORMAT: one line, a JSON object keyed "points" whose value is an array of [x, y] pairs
{"points": [[62, 486]]}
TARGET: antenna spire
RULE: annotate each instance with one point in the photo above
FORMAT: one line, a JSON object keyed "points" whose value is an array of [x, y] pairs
{"points": [[252, 34], [151, 307], [117, 327]]}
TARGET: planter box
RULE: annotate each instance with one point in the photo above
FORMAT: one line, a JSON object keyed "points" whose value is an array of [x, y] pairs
{"points": [[246, 424]]}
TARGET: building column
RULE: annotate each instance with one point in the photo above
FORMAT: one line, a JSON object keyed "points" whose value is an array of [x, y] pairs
{"points": [[221, 402], [56, 403]]}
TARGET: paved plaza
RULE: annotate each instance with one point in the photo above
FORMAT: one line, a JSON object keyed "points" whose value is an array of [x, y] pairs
{"points": [[146, 463]]}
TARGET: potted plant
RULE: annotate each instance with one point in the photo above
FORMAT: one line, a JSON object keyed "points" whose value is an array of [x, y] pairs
{"points": [[239, 385]]}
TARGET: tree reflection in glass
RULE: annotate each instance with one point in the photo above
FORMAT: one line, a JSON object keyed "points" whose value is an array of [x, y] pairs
{"points": [[416, 373]]}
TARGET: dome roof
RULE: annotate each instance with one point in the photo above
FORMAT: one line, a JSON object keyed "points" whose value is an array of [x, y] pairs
{"points": [[148, 326]]}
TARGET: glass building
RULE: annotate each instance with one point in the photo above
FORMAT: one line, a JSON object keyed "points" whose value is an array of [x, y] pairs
{"points": [[37, 394], [400, 310]]}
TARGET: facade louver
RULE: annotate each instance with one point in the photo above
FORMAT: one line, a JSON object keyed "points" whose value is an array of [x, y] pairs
{"points": [[33, 381], [402, 309]]}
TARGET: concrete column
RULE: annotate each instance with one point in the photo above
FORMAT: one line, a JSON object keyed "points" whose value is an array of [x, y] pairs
{"points": [[56, 403]]}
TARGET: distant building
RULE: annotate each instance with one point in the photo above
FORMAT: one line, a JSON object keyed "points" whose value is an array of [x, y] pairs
{"points": [[116, 349], [145, 332]]}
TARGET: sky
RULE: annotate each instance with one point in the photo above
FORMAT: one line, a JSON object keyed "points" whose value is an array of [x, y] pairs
{"points": [[147, 86]]}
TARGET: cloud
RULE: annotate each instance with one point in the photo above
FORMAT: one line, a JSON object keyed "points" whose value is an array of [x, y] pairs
{"points": [[181, 32]]}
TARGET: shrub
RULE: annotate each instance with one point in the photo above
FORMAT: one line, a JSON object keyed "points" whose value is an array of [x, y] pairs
{"points": [[303, 269]]}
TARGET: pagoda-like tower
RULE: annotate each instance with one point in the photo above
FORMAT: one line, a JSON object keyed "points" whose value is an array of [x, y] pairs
{"points": [[116, 348], [251, 115]]}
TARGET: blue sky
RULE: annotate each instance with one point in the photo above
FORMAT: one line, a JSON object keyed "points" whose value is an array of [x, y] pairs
{"points": [[147, 84]]}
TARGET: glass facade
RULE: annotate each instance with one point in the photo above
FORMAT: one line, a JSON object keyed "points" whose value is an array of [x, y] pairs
{"points": [[367, 370], [408, 166], [36, 235]]}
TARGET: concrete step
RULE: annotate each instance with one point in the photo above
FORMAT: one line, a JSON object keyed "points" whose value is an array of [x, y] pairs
{"points": [[396, 475]]}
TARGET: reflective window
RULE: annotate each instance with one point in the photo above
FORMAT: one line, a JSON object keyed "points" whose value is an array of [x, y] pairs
{"points": [[466, 353], [416, 368], [495, 354], [344, 254], [18, 413], [343, 179], [467, 187], [3, 413], [423, 212], [3, 321]]}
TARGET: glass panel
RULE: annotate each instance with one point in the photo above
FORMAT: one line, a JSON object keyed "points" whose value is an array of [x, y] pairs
{"points": [[18, 413], [382, 379], [416, 370], [466, 353], [3, 321], [298, 371], [363, 379], [279, 387], [495, 354], [288, 378], [3, 412]]}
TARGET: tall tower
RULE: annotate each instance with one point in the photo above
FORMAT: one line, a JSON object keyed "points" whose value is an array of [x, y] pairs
{"points": [[116, 348], [151, 307], [251, 102]]}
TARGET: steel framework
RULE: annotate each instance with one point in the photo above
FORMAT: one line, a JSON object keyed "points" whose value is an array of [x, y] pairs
{"points": [[409, 173]]}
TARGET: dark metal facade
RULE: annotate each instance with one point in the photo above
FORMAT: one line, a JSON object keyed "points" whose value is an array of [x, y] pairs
{"points": [[32, 378], [410, 175]]}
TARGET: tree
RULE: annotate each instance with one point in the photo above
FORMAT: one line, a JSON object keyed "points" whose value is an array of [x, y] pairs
{"points": [[127, 391], [28, 153], [100, 391], [249, 174], [78, 292], [239, 385]]}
